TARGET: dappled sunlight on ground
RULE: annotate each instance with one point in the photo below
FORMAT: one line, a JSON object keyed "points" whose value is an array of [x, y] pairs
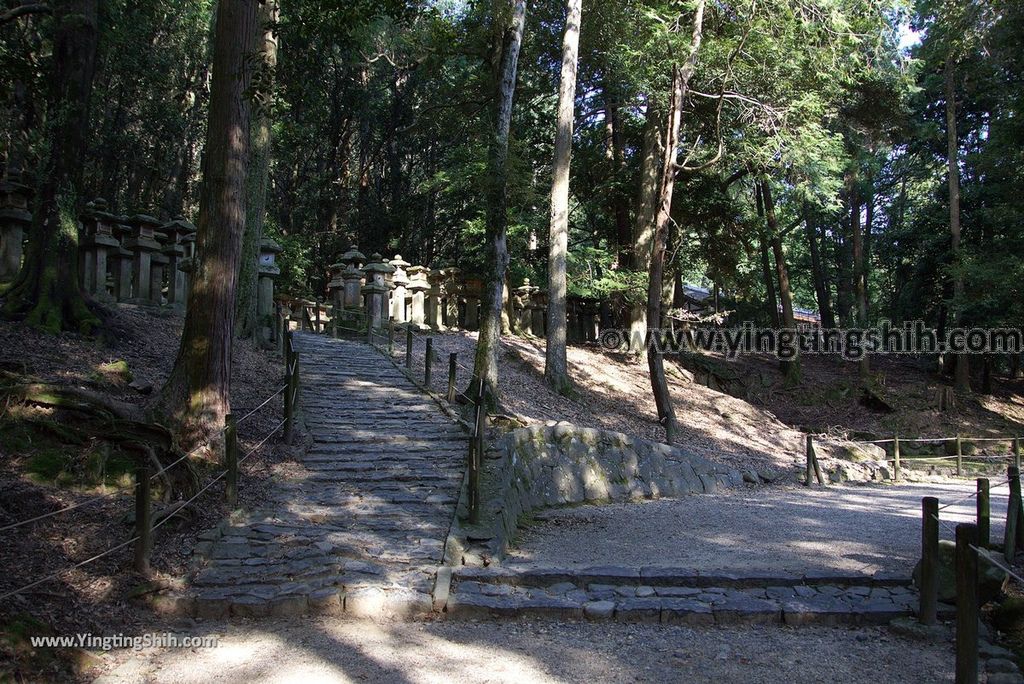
{"points": [[791, 530]]}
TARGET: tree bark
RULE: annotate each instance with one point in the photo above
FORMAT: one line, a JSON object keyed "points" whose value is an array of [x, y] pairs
{"points": [[647, 208], [790, 367], [962, 373], [247, 321], [196, 398], [509, 24], [859, 287], [771, 302], [673, 120], [46, 293], [556, 366], [821, 289]]}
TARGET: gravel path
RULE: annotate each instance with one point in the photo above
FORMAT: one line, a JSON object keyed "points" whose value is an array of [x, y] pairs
{"points": [[857, 529], [329, 650]]}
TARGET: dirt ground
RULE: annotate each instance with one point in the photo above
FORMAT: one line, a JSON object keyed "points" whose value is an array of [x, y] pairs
{"points": [[103, 596], [789, 530], [331, 650]]}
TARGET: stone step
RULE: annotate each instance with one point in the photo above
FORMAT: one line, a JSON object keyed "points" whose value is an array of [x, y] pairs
{"points": [[655, 576], [838, 605]]}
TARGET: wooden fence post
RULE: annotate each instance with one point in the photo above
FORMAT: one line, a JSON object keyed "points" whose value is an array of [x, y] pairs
{"points": [[967, 609], [290, 395], [929, 596], [143, 516], [231, 460], [1016, 452], [808, 453], [812, 463], [1015, 491], [282, 328], [476, 448], [408, 347], [316, 303], [897, 471], [1010, 531], [959, 456], [427, 361], [984, 514], [452, 361]]}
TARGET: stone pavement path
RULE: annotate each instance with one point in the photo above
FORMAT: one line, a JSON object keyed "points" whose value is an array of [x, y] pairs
{"points": [[362, 529]]}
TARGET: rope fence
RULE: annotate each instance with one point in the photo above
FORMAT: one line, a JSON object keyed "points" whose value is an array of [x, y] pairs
{"points": [[144, 527]]}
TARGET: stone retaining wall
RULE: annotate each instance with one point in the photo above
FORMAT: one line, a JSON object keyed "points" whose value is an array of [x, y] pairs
{"points": [[560, 465]]}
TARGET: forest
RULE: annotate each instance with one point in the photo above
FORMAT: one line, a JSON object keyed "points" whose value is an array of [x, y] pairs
{"points": [[185, 184], [856, 158]]}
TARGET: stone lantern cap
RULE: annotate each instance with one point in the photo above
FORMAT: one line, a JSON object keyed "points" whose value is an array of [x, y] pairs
{"points": [[400, 277], [9, 214], [98, 209], [143, 236], [268, 261], [418, 278], [377, 265], [14, 193], [352, 273], [177, 229], [353, 257], [525, 288]]}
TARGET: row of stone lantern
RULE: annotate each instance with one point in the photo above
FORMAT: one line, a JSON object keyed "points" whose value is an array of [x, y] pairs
{"points": [[439, 299], [15, 221], [133, 259], [406, 294]]}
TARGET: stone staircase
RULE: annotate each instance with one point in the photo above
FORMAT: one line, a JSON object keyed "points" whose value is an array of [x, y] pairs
{"points": [[362, 528]]}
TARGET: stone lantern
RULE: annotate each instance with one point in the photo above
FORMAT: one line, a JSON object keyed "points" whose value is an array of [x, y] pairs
{"points": [[157, 267], [336, 286], [176, 250], [353, 278], [375, 290], [15, 220], [120, 260], [143, 245], [353, 257], [471, 289], [434, 316], [450, 292], [418, 285], [524, 318], [97, 246], [268, 273], [539, 304], [400, 280]]}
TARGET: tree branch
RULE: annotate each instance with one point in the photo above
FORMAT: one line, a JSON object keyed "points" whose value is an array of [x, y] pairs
{"points": [[22, 10]]}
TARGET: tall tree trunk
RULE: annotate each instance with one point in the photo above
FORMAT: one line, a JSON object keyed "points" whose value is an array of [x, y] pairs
{"points": [[197, 394], [617, 199], [790, 367], [247, 321], [509, 18], [859, 287], [673, 120], [46, 292], [771, 301], [962, 374], [646, 214], [821, 289], [556, 367]]}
